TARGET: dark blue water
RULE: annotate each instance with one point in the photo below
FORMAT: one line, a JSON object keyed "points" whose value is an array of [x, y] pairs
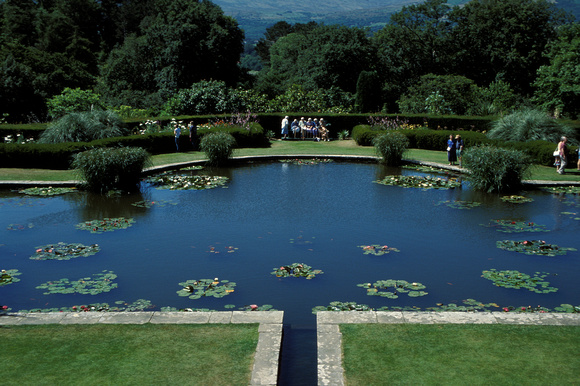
{"points": [[277, 214]]}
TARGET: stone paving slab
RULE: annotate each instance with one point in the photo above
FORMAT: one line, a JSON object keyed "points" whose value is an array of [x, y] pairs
{"points": [[126, 317], [329, 339], [44, 318], [268, 317], [81, 318], [222, 317], [180, 318]]}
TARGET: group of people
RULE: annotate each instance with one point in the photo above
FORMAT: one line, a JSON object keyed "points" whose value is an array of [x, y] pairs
{"points": [[561, 156], [311, 128], [192, 135], [454, 149]]}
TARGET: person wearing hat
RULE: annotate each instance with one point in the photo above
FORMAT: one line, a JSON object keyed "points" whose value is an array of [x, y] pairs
{"points": [[459, 148], [285, 127]]}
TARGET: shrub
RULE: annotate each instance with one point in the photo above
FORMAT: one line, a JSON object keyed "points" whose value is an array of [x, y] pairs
{"points": [[496, 169], [104, 169], [73, 101], [529, 125], [218, 147], [391, 146], [205, 97], [84, 127]]}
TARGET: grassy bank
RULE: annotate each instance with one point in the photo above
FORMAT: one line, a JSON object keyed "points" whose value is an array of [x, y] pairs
{"points": [[281, 148], [461, 354], [128, 354]]}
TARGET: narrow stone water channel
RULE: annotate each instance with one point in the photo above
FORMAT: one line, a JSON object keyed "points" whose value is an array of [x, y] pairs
{"points": [[298, 362]]}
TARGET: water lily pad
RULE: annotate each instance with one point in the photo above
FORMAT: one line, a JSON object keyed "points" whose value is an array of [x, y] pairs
{"points": [[50, 191], [515, 279], [533, 247], [391, 288], [313, 161], [342, 306], [195, 289], [227, 249], [516, 199], [377, 249], [563, 189], [63, 251], [457, 204], [8, 276], [512, 226], [296, 270], [148, 203], [194, 167], [106, 224], [425, 169], [19, 227], [99, 283], [420, 182], [182, 182]]}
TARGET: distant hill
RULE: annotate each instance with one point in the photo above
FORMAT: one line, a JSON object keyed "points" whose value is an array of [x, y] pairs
{"points": [[254, 16]]}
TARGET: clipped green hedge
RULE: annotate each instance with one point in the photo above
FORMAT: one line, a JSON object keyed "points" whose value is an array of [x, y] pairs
{"points": [[28, 130], [59, 156], [541, 152]]}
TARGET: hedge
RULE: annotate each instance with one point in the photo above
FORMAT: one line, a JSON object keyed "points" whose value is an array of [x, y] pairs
{"points": [[541, 152], [59, 156]]}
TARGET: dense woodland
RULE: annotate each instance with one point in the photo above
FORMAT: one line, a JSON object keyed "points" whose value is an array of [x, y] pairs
{"points": [[173, 56]]}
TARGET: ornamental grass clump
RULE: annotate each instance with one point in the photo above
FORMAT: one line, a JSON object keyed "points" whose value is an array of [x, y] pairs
{"points": [[84, 127], [218, 147], [496, 169], [391, 146], [105, 169], [529, 125]]}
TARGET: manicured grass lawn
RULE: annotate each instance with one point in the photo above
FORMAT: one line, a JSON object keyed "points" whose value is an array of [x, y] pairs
{"points": [[128, 354], [452, 354], [281, 148]]}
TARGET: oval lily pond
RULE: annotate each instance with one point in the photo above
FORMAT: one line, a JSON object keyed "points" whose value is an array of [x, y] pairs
{"points": [[292, 236]]}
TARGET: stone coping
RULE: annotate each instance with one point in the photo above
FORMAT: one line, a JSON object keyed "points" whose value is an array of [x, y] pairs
{"points": [[161, 168], [329, 337], [266, 358]]}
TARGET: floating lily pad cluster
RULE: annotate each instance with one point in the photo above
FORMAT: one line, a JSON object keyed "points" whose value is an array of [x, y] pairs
{"points": [[392, 288], [314, 161], [470, 305], [516, 199], [420, 182], [195, 289], [296, 270], [424, 169], [342, 306], [377, 249], [19, 227], [138, 305], [572, 214], [229, 249], [148, 204], [194, 167], [568, 308], [517, 280], [98, 283], [181, 182], [460, 204], [106, 224], [510, 226], [8, 276], [563, 189], [50, 191], [533, 247], [64, 251]]}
